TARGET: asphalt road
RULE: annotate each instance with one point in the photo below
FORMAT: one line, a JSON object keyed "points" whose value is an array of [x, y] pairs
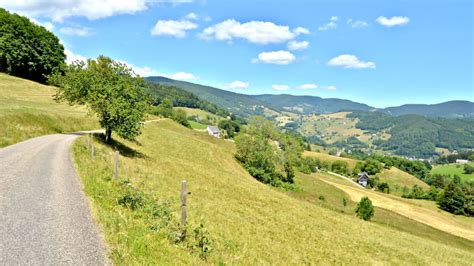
{"points": [[45, 218]]}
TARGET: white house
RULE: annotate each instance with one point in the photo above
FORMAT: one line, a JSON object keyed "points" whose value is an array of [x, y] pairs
{"points": [[214, 131], [461, 161]]}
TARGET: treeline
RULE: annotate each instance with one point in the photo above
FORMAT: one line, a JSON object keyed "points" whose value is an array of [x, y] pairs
{"points": [[467, 155], [28, 50], [181, 98], [418, 136]]}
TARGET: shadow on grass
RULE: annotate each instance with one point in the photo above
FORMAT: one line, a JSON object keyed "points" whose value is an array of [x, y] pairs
{"points": [[119, 146]]}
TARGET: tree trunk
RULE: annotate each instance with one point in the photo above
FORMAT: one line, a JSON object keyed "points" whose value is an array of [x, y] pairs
{"points": [[108, 135]]}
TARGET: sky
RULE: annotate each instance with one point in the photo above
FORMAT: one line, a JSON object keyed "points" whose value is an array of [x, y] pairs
{"points": [[382, 53]]}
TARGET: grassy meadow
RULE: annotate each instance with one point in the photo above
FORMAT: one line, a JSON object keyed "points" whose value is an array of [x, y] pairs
{"points": [[27, 110], [247, 222], [453, 169], [398, 179]]}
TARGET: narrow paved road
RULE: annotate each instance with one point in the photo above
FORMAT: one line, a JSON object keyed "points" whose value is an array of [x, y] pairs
{"points": [[44, 216]]}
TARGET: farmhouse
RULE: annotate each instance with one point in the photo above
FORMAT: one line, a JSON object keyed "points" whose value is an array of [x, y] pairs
{"points": [[363, 179], [461, 161], [214, 131]]}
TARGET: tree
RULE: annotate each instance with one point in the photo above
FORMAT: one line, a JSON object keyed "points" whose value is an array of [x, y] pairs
{"points": [[165, 108], [468, 169], [340, 167], [364, 209], [109, 89], [453, 199], [181, 117], [28, 50]]}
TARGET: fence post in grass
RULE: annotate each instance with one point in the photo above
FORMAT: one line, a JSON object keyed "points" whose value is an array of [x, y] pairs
{"points": [[88, 140], [92, 149], [116, 172], [183, 209]]}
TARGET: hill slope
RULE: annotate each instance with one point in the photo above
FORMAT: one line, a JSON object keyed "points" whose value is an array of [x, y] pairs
{"points": [[27, 110], [446, 109], [248, 222]]}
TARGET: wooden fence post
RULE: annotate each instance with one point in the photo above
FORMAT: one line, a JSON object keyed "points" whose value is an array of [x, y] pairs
{"points": [[183, 208], [116, 172], [92, 149]]}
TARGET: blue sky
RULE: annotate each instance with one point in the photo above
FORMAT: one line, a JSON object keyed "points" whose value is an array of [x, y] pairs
{"points": [[382, 53]]}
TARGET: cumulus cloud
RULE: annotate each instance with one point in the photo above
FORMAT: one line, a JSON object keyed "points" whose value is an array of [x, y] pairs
{"points": [[175, 28], [295, 45], [331, 88], [393, 21], [259, 32], [308, 86], [237, 85], [58, 10], [350, 61], [48, 25], [191, 16], [332, 24], [301, 30], [277, 58], [76, 31], [278, 87], [357, 23]]}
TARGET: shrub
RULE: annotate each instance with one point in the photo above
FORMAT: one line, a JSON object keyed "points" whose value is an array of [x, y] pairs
{"points": [[202, 243], [322, 198], [383, 187], [364, 209]]}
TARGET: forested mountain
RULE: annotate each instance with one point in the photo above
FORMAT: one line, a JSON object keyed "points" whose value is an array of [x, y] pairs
{"points": [[416, 135], [310, 104], [446, 109], [240, 104], [181, 98]]}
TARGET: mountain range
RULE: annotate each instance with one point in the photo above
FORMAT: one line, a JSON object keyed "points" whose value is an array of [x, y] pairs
{"points": [[245, 105]]}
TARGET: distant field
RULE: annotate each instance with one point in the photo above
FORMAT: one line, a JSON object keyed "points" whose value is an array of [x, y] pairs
{"points": [[249, 223], [201, 113], [331, 158], [196, 125], [453, 169], [397, 179], [27, 110]]}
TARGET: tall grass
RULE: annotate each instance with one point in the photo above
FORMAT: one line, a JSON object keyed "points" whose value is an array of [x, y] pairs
{"points": [[247, 222]]}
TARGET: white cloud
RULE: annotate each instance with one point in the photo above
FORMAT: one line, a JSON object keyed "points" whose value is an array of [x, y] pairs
{"points": [[48, 25], [329, 88], [58, 10], [76, 31], [393, 21], [72, 57], [301, 30], [176, 28], [277, 58], [295, 45], [332, 24], [357, 23], [308, 86], [237, 85], [280, 87], [191, 16], [182, 76], [259, 32], [350, 61]]}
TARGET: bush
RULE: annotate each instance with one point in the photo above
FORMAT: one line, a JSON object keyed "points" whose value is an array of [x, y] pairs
{"points": [[340, 167], [468, 169], [383, 187], [364, 209]]}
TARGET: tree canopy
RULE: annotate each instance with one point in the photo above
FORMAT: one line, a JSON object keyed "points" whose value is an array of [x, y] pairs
{"points": [[28, 50], [109, 89]]}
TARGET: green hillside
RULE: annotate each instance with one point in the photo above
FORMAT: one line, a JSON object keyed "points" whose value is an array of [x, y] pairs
{"points": [[452, 169], [27, 110], [248, 222], [446, 109]]}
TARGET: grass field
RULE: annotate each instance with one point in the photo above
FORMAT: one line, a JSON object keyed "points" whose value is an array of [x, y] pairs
{"points": [[196, 125], [312, 188], [453, 169], [27, 110], [425, 212], [398, 179], [331, 158], [248, 222]]}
